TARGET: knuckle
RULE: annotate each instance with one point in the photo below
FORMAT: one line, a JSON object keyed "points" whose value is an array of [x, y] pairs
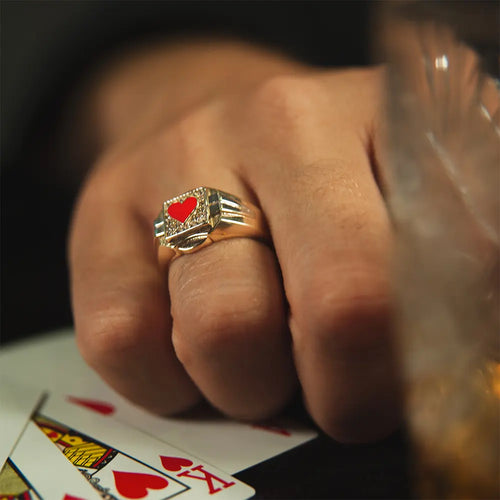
{"points": [[216, 303], [186, 129], [105, 185], [367, 421], [287, 98], [186, 135], [110, 334], [372, 85], [343, 309], [354, 83], [375, 76], [357, 97], [225, 321]]}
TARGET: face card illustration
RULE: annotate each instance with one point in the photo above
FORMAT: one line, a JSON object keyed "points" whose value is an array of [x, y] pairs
{"points": [[14, 486], [126, 463], [46, 474]]}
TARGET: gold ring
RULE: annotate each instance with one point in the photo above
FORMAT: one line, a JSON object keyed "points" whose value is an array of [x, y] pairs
{"points": [[202, 216]]}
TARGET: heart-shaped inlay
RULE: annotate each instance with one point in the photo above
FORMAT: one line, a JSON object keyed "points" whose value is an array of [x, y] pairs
{"points": [[175, 464], [181, 211], [97, 406], [136, 484]]}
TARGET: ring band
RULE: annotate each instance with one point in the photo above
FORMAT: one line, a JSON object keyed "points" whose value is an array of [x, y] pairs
{"points": [[203, 215]]}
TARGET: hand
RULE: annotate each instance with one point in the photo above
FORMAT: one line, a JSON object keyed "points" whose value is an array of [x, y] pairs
{"points": [[240, 323]]}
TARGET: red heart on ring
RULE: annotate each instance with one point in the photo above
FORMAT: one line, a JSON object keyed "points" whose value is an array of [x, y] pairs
{"points": [[181, 211]]}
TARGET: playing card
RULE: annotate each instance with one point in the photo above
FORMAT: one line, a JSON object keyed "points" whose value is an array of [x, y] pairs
{"points": [[45, 473], [108, 470], [229, 445], [125, 463], [14, 485], [17, 403]]}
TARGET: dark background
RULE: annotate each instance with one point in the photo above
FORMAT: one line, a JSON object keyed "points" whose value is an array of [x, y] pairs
{"points": [[47, 48]]}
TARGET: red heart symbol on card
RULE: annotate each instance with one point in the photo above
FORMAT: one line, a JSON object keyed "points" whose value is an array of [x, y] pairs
{"points": [[181, 211], [175, 464], [272, 428], [71, 497], [92, 404], [136, 484]]}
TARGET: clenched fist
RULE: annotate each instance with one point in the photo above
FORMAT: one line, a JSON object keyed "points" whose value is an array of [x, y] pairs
{"points": [[241, 323]]}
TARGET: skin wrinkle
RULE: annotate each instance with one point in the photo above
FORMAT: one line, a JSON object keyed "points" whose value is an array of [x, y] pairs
{"points": [[187, 286], [238, 313], [342, 261], [242, 296], [340, 339], [362, 396], [210, 268], [235, 313], [127, 318], [334, 306]]}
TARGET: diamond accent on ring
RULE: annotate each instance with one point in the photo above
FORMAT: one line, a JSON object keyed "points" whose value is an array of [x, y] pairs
{"points": [[202, 216], [186, 214]]}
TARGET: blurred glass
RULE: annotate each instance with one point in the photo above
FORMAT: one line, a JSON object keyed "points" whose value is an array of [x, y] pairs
{"points": [[443, 185]]}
